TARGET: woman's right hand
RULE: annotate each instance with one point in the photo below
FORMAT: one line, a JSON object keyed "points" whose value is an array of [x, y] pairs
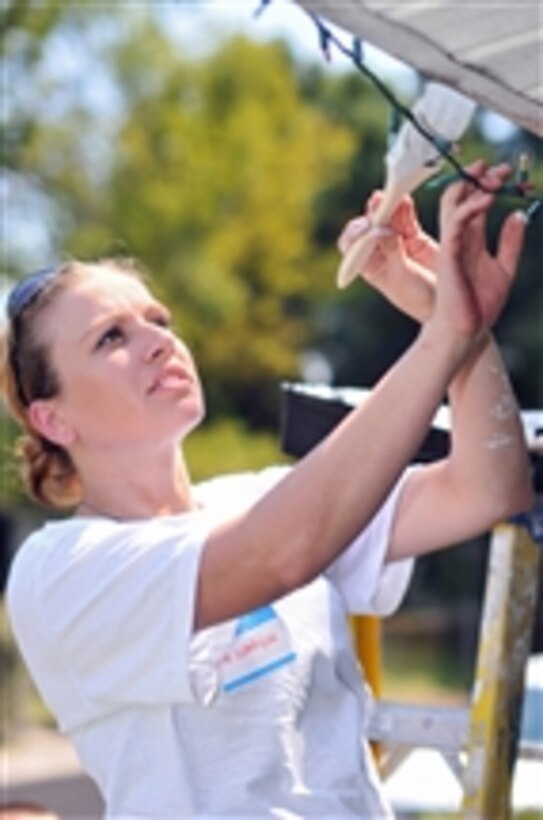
{"points": [[403, 261]]}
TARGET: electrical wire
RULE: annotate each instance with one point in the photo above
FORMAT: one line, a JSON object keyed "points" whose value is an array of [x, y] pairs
{"points": [[521, 188]]}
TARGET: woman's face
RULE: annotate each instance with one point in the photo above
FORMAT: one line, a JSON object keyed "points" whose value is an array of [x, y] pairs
{"points": [[126, 379]]}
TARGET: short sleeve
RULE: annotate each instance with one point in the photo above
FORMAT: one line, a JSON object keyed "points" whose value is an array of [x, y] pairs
{"points": [[367, 583], [118, 609]]}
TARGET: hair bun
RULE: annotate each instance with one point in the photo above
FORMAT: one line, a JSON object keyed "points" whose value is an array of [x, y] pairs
{"points": [[48, 472]]}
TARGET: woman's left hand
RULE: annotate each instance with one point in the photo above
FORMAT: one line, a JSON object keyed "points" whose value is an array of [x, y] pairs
{"points": [[473, 284]]}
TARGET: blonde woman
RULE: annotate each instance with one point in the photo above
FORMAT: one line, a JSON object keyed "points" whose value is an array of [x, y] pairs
{"points": [[192, 641]]}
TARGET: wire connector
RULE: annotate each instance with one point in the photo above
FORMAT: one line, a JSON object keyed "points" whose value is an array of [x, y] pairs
{"points": [[358, 51], [325, 41], [534, 209]]}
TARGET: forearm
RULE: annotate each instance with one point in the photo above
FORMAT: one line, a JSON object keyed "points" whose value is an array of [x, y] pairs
{"points": [[486, 477], [488, 457], [332, 494]]}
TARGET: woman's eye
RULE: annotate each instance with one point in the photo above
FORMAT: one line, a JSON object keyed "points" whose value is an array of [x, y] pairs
{"points": [[162, 321], [110, 336]]}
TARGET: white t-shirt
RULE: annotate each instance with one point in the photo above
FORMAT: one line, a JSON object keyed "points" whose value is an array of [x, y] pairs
{"points": [[263, 716]]}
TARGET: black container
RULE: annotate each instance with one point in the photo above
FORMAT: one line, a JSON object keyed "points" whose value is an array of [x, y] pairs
{"points": [[310, 412]]}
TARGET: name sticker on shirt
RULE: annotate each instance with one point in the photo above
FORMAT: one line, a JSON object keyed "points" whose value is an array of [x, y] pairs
{"points": [[261, 645]]}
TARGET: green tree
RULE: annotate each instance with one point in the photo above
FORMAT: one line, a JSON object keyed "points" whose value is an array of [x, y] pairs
{"points": [[209, 177]]}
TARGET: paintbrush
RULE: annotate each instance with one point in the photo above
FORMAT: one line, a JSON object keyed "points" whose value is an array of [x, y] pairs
{"points": [[412, 159]]}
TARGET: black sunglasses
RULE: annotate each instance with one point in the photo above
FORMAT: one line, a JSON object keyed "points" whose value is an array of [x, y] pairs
{"points": [[28, 289], [23, 294]]}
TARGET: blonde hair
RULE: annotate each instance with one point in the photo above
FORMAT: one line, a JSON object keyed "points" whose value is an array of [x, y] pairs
{"points": [[26, 374]]}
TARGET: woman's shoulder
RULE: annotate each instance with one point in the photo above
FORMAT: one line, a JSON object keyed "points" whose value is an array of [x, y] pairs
{"points": [[51, 538], [29, 561]]}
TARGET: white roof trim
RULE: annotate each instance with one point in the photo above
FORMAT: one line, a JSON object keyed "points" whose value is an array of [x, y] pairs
{"points": [[510, 37]]}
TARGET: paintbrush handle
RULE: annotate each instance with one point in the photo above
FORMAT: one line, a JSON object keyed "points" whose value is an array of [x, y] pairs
{"points": [[356, 258]]}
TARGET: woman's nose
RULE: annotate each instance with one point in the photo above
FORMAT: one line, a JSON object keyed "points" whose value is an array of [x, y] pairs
{"points": [[160, 343]]}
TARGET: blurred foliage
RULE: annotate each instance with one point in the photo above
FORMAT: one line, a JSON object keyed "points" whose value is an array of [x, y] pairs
{"points": [[8, 664], [227, 447], [10, 486], [229, 176]]}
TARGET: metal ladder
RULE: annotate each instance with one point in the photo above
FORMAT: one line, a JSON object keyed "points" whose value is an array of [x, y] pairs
{"points": [[479, 742]]}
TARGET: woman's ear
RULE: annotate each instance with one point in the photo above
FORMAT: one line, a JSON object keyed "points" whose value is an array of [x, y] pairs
{"points": [[45, 417]]}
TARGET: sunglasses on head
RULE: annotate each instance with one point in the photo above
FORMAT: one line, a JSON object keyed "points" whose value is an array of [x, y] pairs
{"points": [[28, 289], [23, 294]]}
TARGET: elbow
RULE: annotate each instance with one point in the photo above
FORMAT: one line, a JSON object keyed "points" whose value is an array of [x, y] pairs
{"points": [[499, 500], [523, 500], [522, 496], [515, 498]]}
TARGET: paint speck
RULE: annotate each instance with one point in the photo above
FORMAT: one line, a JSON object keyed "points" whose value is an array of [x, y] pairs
{"points": [[498, 440]]}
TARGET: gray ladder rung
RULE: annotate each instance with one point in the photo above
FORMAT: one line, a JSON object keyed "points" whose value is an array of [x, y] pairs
{"points": [[436, 727]]}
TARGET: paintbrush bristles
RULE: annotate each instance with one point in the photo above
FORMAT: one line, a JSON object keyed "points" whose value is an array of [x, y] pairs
{"points": [[444, 111], [445, 114]]}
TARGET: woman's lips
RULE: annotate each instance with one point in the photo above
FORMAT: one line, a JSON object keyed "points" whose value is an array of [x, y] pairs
{"points": [[170, 378]]}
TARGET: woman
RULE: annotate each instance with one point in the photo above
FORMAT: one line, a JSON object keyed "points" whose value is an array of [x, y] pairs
{"points": [[193, 641]]}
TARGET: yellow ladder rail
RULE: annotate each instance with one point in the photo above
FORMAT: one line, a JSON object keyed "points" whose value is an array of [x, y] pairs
{"points": [[366, 630], [504, 646], [480, 741]]}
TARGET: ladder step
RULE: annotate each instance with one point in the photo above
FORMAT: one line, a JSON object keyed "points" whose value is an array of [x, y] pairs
{"points": [[436, 727]]}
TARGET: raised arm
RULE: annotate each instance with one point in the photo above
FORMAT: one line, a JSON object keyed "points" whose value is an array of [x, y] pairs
{"points": [[486, 477], [301, 526]]}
